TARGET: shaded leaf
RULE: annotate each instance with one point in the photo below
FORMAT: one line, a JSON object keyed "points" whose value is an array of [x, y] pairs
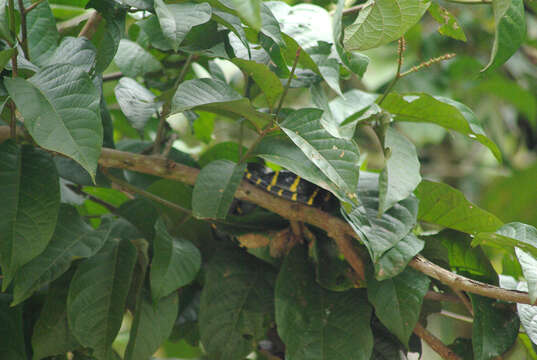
{"points": [[43, 36], [72, 239], [176, 20], [510, 31], [267, 81], [395, 260], [236, 301], [527, 314], [401, 174], [97, 296], [12, 345], [380, 234], [421, 107], [136, 102], [71, 127], [315, 323], [495, 328], [151, 27], [79, 52], [175, 263], [30, 203], [398, 300], [216, 96], [383, 21], [529, 268], [443, 205], [336, 158]]}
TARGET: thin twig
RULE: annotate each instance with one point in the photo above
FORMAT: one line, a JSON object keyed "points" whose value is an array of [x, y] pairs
{"points": [[13, 121], [471, 2], [286, 89], [91, 25], [455, 316], [166, 108], [255, 143], [24, 30], [427, 64], [438, 346], [435, 296], [78, 190], [33, 6], [464, 300], [400, 51], [353, 9], [148, 195], [169, 144], [13, 31], [112, 76]]}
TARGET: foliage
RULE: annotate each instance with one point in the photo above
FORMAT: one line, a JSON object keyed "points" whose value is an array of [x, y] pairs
{"points": [[128, 227]]}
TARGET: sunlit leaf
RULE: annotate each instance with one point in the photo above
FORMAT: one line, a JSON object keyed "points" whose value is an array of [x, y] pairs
{"points": [[133, 60], [448, 23], [137, 103]]}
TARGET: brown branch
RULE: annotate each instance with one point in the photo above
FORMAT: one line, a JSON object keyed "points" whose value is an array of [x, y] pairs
{"points": [[33, 6], [91, 25], [78, 190], [438, 346], [435, 296], [353, 9], [466, 302], [112, 76], [24, 30], [336, 228]]}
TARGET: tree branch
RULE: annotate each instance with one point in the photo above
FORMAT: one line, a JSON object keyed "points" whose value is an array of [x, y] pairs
{"points": [[335, 227], [435, 343], [91, 25]]}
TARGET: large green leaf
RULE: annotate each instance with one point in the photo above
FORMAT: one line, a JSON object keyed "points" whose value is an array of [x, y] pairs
{"points": [[152, 328], [79, 52], [527, 314], [401, 174], [443, 205], [494, 329], [380, 233], [60, 106], [176, 20], [43, 36], [528, 263], [176, 263], [215, 188], [337, 158], [346, 110], [448, 23], [97, 296], [136, 102], [216, 96], [236, 302], [5, 57], [317, 324], [248, 10], [12, 345], [133, 60], [142, 214], [394, 261], [109, 33], [383, 21], [151, 27], [72, 239], [398, 300], [267, 81], [510, 31], [422, 107], [30, 203], [51, 335], [270, 26]]}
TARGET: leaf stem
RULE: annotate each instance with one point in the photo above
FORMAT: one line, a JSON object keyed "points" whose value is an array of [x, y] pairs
{"points": [[91, 25], [256, 142], [166, 107], [427, 64], [13, 31], [24, 30], [13, 121], [147, 195], [286, 89], [33, 6], [471, 2], [400, 51]]}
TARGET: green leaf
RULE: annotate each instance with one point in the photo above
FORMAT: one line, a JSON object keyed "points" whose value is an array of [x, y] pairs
{"points": [[346, 110], [176, 20], [215, 187], [383, 21], [398, 300], [495, 328], [401, 174], [236, 300], [270, 26], [443, 205], [30, 203], [234, 24], [529, 269], [267, 81], [153, 327], [395, 260], [109, 33], [97, 296], [5, 57], [51, 335], [380, 233], [151, 27], [43, 36], [133, 60], [337, 158], [527, 315], [421, 107], [79, 52], [331, 269], [137, 103], [72, 239], [317, 324], [72, 127], [248, 10], [510, 31], [225, 150], [5, 32], [12, 345], [448, 23], [142, 214], [217, 97], [176, 263]]}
